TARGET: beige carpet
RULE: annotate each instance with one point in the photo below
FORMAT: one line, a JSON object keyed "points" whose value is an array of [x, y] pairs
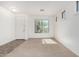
{"points": [[35, 48]]}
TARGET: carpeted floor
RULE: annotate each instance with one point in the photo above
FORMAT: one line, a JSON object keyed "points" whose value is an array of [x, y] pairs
{"points": [[35, 48], [7, 48]]}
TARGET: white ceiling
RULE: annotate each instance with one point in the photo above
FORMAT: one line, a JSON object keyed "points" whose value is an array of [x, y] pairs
{"points": [[33, 7]]}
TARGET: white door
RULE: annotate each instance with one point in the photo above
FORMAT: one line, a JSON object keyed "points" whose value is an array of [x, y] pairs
{"points": [[20, 27]]}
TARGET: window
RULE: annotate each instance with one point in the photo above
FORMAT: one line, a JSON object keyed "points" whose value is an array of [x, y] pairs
{"points": [[41, 26]]}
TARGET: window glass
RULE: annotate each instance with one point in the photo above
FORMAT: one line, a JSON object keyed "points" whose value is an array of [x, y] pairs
{"points": [[41, 26]]}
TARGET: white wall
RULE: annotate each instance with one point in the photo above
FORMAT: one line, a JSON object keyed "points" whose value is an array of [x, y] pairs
{"points": [[26, 30], [21, 27], [31, 26], [7, 31], [67, 30]]}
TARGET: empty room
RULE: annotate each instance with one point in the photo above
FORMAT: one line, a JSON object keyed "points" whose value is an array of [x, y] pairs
{"points": [[39, 28]]}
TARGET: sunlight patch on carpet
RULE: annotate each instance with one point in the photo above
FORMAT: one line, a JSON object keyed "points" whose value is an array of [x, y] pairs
{"points": [[48, 41]]}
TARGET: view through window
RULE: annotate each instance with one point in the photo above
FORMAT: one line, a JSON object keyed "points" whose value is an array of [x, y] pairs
{"points": [[41, 26]]}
